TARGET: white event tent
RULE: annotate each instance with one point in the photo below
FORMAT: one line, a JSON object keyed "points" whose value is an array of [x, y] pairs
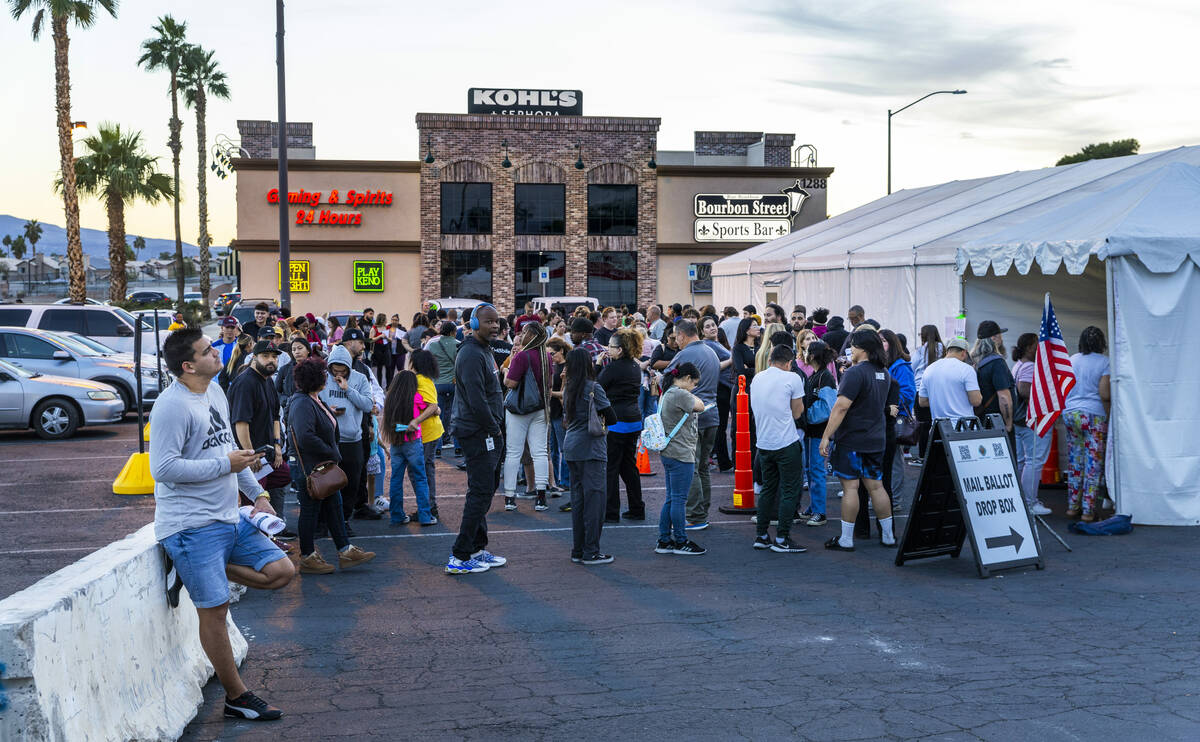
{"points": [[905, 258]]}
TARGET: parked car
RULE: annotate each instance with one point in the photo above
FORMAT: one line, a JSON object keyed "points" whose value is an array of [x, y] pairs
{"points": [[565, 304], [112, 326], [225, 302], [342, 315], [59, 354], [243, 311], [54, 406], [147, 296], [197, 297], [451, 302]]}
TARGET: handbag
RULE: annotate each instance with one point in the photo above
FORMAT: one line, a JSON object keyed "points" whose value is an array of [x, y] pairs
{"points": [[906, 430], [326, 477], [526, 398], [654, 436], [596, 426]]}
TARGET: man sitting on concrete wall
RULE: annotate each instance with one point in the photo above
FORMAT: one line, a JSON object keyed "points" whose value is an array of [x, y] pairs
{"points": [[198, 470]]}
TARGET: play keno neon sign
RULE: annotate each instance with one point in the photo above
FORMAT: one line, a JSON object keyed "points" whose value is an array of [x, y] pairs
{"points": [[309, 201]]}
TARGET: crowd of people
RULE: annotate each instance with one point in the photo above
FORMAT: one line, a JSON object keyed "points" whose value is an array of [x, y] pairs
{"points": [[555, 402]]}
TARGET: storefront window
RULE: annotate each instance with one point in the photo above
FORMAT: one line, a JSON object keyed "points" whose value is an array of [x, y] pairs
{"points": [[612, 210], [467, 274], [612, 278], [528, 286], [539, 208], [466, 208]]}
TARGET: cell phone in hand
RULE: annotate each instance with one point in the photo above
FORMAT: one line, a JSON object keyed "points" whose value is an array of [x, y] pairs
{"points": [[265, 451]]}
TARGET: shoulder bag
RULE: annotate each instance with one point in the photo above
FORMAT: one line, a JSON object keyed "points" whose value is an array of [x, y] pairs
{"points": [[526, 398], [596, 426], [326, 477]]}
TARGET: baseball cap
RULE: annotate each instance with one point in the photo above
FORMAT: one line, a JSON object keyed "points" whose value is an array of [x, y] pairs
{"points": [[582, 324], [988, 328], [262, 346], [353, 333], [229, 322], [268, 332], [958, 342]]}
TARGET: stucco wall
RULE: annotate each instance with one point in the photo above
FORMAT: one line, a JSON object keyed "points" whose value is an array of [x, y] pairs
{"points": [[332, 282], [93, 652], [259, 220]]}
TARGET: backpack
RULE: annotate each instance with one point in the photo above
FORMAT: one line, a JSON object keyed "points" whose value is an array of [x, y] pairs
{"points": [[823, 400], [654, 436]]}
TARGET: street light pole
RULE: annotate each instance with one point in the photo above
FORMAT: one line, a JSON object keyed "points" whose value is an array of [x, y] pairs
{"points": [[889, 127], [285, 263]]}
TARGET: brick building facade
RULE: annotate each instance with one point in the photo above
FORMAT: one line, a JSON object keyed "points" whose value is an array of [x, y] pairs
{"points": [[614, 217], [541, 149]]}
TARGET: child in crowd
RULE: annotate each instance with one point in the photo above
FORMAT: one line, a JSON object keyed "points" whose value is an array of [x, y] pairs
{"points": [[678, 458]]}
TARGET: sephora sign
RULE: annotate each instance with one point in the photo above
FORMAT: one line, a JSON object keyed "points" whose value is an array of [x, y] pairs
{"points": [[518, 102]]}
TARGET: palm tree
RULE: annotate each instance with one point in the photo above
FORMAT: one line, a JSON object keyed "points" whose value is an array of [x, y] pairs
{"points": [[118, 169], [62, 12], [166, 51], [139, 244], [200, 78], [17, 245], [33, 233]]}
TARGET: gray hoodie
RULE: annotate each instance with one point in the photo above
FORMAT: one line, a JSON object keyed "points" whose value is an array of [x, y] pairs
{"points": [[356, 399]]}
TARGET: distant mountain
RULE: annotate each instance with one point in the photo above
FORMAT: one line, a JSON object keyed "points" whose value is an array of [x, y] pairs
{"points": [[95, 241]]}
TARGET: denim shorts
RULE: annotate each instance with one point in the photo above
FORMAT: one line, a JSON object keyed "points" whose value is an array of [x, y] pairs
{"points": [[200, 556], [849, 464]]}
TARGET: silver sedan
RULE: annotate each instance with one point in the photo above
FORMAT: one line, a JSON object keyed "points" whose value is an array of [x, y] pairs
{"points": [[54, 406]]}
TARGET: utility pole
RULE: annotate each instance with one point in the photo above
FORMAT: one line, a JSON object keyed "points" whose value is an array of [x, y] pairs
{"points": [[285, 256]]}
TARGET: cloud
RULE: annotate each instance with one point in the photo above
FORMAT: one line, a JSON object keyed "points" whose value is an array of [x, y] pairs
{"points": [[868, 54], [966, 135]]}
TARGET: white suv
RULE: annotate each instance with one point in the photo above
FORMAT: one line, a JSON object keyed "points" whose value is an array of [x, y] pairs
{"points": [[111, 326]]}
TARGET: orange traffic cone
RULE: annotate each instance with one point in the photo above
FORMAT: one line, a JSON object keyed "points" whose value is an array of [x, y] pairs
{"points": [[643, 460], [1051, 474], [743, 475]]}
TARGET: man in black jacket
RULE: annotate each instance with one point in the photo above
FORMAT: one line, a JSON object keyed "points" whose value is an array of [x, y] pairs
{"points": [[478, 425]]}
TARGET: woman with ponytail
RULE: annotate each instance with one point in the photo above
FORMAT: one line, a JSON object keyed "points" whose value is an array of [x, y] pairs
{"points": [[528, 363], [404, 409], [586, 455]]}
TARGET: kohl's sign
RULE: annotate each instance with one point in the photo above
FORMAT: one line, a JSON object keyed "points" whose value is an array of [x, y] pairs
{"points": [[518, 102]]}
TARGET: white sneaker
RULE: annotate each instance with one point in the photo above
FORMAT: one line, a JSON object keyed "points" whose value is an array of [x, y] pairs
{"points": [[1038, 508], [382, 504], [488, 558]]}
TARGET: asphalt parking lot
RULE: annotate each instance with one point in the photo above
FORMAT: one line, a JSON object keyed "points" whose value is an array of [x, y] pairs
{"points": [[733, 644]]}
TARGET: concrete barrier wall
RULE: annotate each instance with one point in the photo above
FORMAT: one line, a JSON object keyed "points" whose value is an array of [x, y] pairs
{"points": [[93, 652]]}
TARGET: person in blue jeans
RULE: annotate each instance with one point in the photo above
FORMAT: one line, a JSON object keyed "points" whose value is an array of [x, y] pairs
{"points": [[404, 409], [819, 357], [678, 459]]}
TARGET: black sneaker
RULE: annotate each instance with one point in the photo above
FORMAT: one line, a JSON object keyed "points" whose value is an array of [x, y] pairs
{"points": [[577, 559], [598, 559], [564, 508], [540, 504], [633, 515], [762, 542], [787, 547], [665, 547], [816, 520], [367, 514], [691, 548], [250, 706], [174, 582], [510, 503]]}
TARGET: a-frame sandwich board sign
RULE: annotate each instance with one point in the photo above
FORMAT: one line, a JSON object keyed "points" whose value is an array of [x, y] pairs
{"points": [[969, 487]]}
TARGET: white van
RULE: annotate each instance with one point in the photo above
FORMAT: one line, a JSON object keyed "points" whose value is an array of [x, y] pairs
{"points": [[565, 304], [111, 326]]}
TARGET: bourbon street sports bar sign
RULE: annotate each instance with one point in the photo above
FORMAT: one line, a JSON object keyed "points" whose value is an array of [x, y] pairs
{"points": [[517, 102], [747, 217]]}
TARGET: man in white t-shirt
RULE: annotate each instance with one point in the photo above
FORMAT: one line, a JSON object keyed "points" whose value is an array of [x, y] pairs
{"points": [[950, 386], [777, 399]]}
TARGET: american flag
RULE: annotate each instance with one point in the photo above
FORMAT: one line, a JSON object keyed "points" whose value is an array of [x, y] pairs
{"points": [[1053, 376]]}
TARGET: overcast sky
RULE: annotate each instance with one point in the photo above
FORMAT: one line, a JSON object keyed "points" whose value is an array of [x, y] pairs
{"points": [[1044, 79]]}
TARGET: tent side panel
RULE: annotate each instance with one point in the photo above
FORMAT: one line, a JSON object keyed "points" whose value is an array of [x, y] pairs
{"points": [[887, 296], [938, 291], [1157, 392], [822, 288], [730, 291]]}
